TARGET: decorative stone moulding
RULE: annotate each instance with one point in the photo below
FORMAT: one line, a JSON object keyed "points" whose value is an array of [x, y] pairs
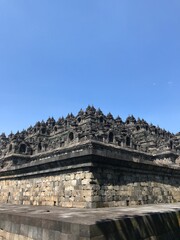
{"points": [[90, 161]]}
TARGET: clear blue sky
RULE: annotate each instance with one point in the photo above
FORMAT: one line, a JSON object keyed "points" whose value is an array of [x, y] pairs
{"points": [[59, 56]]}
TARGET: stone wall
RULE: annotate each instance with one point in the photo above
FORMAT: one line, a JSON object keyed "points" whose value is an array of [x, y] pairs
{"points": [[92, 176], [69, 189], [119, 187], [97, 187]]}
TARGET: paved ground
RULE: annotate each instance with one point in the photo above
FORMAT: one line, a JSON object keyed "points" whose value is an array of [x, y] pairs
{"points": [[86, 216]]}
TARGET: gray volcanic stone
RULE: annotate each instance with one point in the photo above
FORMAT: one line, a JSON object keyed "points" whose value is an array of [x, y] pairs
{"points": [[142, 222], [90, 161], [88, 124]]}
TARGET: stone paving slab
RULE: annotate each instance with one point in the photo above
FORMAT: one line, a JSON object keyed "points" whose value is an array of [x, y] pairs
{"points": [[86, 216], [145, 222]]}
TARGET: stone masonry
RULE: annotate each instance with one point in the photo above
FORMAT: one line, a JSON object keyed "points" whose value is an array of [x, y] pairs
{"points": [[90, 161]]}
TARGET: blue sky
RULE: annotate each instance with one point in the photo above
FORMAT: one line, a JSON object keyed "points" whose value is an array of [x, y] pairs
{"points": [[59, 56]]}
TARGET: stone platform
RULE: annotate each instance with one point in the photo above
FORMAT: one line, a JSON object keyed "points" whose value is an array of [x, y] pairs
{"points": [[148, 222]]}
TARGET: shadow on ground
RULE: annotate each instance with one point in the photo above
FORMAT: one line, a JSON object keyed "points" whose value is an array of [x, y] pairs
{"points": [[160, 226]]}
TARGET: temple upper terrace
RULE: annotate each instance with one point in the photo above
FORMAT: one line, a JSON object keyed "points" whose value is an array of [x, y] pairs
{"points": [[90, 124]]}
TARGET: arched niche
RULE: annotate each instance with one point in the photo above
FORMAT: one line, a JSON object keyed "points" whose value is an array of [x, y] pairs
{"points": [[137, 128], [71, 136], [39, 147], [10, 147], [22, 148], [111, 137], [101, 119], [79, 119], [43, 130], [128, 141]]}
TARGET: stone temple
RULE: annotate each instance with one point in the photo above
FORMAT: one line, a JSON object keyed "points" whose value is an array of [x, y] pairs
{"points": [[89, 161]]}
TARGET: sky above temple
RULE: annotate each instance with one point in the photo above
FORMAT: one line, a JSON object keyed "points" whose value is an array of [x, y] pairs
{"points": [[59, 56]]}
